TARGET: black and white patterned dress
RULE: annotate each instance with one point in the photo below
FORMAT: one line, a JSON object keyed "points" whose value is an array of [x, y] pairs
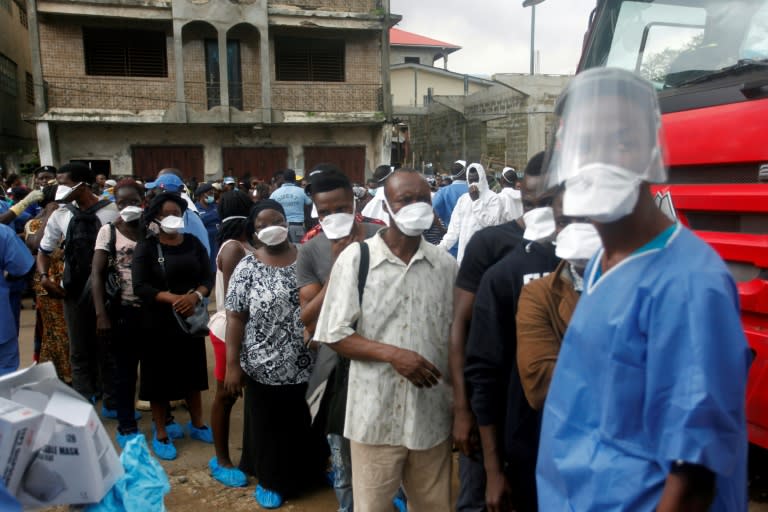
{"points": [[280, 447], [273, 350]]}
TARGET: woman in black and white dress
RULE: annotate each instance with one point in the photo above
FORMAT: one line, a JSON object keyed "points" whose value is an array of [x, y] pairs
{"points": [[266, 352]]}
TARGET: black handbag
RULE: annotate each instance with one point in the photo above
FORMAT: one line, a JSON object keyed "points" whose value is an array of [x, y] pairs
{"points": [[113, 283], [197, 323]]}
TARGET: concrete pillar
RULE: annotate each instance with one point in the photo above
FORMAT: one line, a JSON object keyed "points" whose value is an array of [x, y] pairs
{"points": [[37, 64], [266, 75], [46, 144], [536, 132], [178, 59], [385, 85], [223, 68]]}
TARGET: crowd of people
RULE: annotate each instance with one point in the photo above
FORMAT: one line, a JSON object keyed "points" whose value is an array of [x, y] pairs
{"points": [[578, 348]]}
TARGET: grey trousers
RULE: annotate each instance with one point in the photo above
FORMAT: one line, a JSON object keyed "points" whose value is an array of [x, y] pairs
{"points": [[471, 484], [92, 362], [295, 233]]}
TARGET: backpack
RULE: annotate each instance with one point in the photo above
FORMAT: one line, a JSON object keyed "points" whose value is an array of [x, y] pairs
{"points": [[79, 246]]}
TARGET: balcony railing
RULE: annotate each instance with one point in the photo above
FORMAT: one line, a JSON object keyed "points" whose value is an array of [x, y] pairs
{"points": [[359, 6], [108, 93], [202, 96], [326, 97]]}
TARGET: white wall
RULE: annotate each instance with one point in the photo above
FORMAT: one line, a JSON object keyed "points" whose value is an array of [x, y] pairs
{"points": [[404, 82]]}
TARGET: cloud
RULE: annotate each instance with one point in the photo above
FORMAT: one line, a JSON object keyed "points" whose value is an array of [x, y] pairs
{"points": [[495, 34]]}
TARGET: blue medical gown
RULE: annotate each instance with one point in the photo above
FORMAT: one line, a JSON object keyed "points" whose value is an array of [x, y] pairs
{"points": [[652, 370], [446, 198], [16, 260]]}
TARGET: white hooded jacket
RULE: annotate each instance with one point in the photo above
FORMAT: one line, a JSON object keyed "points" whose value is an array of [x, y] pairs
{"points": [[512, 202], [471, 216]]}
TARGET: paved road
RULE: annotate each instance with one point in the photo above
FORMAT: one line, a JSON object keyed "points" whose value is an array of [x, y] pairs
{"points": [[192, 489]]}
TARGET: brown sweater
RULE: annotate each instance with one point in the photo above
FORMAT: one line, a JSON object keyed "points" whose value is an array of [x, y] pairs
{"points": [[543, 313]]}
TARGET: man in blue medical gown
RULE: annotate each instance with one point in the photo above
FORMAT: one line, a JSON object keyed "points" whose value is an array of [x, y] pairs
{"points": [[646, 407]]}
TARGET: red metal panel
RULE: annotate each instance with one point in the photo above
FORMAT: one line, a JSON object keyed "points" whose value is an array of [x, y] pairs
{"points": [[724, 134]]}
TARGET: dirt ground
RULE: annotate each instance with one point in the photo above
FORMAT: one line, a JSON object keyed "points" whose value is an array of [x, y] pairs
{"points": [[193, 489]]}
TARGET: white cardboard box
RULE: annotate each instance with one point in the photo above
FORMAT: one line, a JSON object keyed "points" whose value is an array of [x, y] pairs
{"points": [[76, 463], [18, 430]]}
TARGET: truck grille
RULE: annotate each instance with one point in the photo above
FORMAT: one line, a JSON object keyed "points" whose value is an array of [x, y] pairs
{"points": [[713, 174]]}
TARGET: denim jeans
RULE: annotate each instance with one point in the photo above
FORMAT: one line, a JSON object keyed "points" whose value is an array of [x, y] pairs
{"points": [[341, 462], [471, 484]]}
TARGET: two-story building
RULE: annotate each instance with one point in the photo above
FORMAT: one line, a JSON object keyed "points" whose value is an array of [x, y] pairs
{"points": [[242, 87], [17, 137]]}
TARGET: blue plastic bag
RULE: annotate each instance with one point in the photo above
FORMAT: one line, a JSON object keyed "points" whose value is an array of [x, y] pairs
{"points": [[142, 488]]}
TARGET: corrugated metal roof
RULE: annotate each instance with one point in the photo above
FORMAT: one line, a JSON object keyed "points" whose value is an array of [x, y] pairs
{"points": [[399, 37]]}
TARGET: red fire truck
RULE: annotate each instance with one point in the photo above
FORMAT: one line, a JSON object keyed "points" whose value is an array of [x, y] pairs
{"points": [[709, 61]]}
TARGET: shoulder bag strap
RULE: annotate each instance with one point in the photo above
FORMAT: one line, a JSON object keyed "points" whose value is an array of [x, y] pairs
{"points": [[161, 262], [362, 271]]}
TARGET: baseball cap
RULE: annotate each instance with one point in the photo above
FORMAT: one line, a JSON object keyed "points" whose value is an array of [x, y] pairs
{"points": [[229, 180], [169, 182]]}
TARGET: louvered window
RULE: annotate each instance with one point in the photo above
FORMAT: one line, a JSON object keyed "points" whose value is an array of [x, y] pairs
{"points": [[309, 60], [120, 52], [30, 89], [8, 82]]}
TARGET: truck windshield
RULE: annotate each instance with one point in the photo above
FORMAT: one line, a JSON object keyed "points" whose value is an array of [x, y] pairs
{"points": [[679, 42]]}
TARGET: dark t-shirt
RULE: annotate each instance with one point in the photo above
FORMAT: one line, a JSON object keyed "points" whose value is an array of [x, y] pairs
{"points": [[495, 392], [313, 264], [485, 248]]}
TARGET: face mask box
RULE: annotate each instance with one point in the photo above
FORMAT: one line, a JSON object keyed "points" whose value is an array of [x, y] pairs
{"points": [[76, 462], [19, 426]]}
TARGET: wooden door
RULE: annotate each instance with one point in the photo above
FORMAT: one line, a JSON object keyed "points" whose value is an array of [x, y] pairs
{"points": [[350, 159], [259, 163], [149, 160]]}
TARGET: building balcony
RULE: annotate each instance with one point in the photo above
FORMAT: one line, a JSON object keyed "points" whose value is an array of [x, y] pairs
{"points": [[117, 95], [319, 98]]}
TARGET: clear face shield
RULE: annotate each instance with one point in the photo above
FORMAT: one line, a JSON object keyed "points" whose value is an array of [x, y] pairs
{"points": [[606, 143]]}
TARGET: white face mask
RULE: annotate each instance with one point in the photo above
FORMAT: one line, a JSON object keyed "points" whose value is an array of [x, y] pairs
{"points": [[172, 224], [577, 243], [131, 213], [412, 219], [273, 235], [337, 225], [601, 192], [539, 223]]}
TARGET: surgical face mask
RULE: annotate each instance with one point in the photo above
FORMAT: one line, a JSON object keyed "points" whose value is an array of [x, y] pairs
{"points": [[577, 243], [412, 219], [172, 224], [209, 199], [273, 235], [337, 225], [131, 213], [539, 223], [601, 192]]}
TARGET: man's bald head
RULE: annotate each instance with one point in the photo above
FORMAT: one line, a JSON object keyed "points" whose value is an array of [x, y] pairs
{"points": [[406, 186]]}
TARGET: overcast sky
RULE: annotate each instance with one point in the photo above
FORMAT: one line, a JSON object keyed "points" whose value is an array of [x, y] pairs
{"points": [[495, 34]]}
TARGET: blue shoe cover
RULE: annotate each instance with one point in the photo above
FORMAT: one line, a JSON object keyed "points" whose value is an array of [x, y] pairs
{"points": [[231, 477], [165, 451], [268, 499]]}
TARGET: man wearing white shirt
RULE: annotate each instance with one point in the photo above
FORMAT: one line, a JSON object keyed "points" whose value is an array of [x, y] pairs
{"points": [[398, 416]]}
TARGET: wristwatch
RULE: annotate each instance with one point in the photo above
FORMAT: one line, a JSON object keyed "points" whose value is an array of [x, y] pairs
{"points": [[199, 295]]}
